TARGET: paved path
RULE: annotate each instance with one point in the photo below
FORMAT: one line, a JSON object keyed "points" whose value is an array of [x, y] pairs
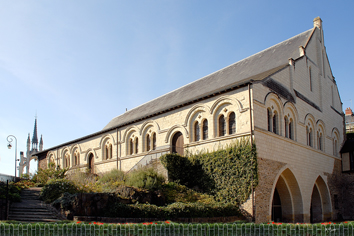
{"points": [[31, 209]]}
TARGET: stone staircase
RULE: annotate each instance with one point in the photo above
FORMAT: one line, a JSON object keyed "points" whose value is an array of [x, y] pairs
{"points": [[31, 209]]}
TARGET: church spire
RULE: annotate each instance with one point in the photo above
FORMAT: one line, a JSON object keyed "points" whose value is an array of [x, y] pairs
{"points": [[35, 137]]}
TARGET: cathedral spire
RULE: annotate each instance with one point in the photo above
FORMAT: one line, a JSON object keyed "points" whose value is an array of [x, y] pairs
{"points": [[35, 137]]}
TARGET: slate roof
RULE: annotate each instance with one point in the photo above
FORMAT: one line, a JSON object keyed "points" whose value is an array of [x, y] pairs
{"points": [[255, 67]]}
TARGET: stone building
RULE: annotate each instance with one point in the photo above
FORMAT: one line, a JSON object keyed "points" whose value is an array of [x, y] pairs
{"points": [[285, 97]]}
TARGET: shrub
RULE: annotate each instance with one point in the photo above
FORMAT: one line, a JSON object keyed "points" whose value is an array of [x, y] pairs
{"points": [[85, 181], [43, 175], [13, 194], [112, 176], [55, 188], [146, 178], [175, 210]]}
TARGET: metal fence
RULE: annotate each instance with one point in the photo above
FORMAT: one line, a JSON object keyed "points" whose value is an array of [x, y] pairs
{"points": [[177, 229]]}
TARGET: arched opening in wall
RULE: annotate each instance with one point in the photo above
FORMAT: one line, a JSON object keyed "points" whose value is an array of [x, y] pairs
{"points": [[91, 165], [178, 143], [321, 207], [276, 207], [316, 206], [286, 204]]}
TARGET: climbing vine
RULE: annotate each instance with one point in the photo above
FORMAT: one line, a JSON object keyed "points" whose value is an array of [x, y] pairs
{"points": [[228, 173]]}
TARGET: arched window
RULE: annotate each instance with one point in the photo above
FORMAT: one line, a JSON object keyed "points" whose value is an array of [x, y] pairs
{"points": [[148, 143], [290, 129], [269, 119], [196, 131], [106, 152], [110, 151], [275, 122], [131, 147], [335, 147], [136, 145], [319, 141], [232, 123], [205, 129], [154, 141], [222, 126], [76, 158], [309, 136], [66, 161], [286, 122]]}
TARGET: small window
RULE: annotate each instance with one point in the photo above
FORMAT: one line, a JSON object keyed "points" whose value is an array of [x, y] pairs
{"points": [[110, 151], [154, 141], [286, 122], [269, 119], [148, 143], [136, 145], [131, 147], [205, 129], [196, 132], [232, 123], [106, 154], [222, 126], [275, 123], [290, 130], [319, 141], [309, 136]]}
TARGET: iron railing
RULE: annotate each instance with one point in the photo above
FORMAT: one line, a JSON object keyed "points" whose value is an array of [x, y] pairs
{"points": [[236, 229]]}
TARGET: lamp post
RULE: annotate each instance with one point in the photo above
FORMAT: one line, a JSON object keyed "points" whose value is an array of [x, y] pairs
{"points": [[10, 139]]}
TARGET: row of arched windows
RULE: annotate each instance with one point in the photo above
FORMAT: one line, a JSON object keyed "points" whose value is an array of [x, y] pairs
{"points": [[150, 144], [313, 138], [226, 125]]}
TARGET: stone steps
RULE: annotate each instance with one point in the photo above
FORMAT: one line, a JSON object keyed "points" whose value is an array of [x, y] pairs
{"points": [[31, 208]]}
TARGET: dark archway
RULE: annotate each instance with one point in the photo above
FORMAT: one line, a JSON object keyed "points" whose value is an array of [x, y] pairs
{"points": [[91, 164], [286, 205], [276, 207], [178, 143], [321, 207], [316, 206]]}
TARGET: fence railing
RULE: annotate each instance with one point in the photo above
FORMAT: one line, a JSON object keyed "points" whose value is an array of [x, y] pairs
{"points": [[245, 229]]}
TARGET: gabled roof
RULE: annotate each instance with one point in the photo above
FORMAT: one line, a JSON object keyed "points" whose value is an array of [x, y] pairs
{"points": [[255, 67]]}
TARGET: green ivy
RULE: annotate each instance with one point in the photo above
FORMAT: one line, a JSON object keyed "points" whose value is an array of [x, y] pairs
{"points": [[226, 173]]}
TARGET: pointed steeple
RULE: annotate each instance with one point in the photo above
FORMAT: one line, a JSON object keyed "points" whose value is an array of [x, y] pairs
{"points": [[35, 137], [41, 144]]}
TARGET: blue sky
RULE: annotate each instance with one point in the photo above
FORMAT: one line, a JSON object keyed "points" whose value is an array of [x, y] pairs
{"points": [[78, 64]]}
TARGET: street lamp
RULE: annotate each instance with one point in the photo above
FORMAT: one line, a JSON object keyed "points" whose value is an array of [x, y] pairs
{"points": [[10, 139]]}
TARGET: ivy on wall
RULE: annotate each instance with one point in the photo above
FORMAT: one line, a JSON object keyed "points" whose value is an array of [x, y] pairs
{"points": [[227, 173]]}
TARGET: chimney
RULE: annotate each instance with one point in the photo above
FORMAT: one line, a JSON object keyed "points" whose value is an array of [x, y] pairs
{"points": [[348, 112], [317, 22]]}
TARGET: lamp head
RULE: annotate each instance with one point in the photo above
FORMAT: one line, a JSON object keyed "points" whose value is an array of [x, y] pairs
{"points": [[9, 146]]}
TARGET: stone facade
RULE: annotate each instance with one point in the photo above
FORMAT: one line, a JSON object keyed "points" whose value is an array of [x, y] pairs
{"points": [[290, 107]]}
